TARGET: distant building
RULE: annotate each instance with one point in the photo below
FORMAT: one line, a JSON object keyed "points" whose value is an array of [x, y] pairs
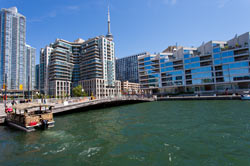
{"points": [[129, 88], [37, 77], [214, 67], [44, 69], [30, 67], [127, 68], [13, 58]]}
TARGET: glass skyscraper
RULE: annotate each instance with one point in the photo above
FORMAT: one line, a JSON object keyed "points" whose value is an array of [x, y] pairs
{"points": [[13, 59]]}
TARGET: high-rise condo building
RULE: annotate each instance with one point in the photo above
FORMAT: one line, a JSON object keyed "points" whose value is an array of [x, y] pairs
{"points": [[127, 68], [91, 63], [30, 67], [97, 67], [63, 67], [44, 69], [13, 58]]}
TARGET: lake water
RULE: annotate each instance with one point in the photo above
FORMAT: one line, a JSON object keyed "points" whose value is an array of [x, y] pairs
{"points": [[183, 133]]}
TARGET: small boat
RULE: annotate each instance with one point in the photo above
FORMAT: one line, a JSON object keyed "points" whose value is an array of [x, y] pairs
{"points": [[30, 116], [245, 97]]}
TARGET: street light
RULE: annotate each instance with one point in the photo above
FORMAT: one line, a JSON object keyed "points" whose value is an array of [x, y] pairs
{"points": [[82, 92]]}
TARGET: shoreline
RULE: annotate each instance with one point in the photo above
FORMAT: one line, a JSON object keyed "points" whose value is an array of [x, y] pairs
{"points": [[228, 97]]}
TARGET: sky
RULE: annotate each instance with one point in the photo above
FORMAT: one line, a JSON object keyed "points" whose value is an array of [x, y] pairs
{"points": [[137, 25]]}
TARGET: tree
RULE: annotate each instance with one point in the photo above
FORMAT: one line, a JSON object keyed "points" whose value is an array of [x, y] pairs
{"points": [[78, 91]]}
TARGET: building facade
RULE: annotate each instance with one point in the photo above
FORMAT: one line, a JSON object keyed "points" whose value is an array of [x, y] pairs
{"points": [[63, 60], [30, 67], [130, 88], [44, 69], [214, 67], [13, 50], [149, 72], [37, 77], [127, 68]]}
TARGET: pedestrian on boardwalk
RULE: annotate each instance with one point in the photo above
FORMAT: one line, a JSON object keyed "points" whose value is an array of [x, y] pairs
{"points": [[13, 102]]}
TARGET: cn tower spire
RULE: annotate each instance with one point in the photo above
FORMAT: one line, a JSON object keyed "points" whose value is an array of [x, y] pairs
{"points": [[109, 35]]}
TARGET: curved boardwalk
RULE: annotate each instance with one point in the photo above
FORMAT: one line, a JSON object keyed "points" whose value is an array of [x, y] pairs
{"points": [[88, 105], [95, 104]]}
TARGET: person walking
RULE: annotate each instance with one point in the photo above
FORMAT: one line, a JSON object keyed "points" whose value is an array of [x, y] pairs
{"points": [[13, 102]]}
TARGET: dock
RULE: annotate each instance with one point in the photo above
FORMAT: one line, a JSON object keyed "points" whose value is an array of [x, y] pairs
{"points": [[73, 105]]}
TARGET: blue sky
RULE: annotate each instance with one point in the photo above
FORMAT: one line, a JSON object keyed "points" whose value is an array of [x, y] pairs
{"points": [[137, 25]]}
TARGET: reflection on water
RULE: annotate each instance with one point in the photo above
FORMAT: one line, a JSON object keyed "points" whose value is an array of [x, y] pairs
{"points": [[159, 133]]}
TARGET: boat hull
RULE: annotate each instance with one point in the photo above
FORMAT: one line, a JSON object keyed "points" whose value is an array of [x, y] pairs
{"points": [[29, 128]]}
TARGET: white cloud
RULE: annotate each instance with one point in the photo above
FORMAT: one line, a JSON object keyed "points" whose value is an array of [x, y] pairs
{"points": [[222, 3], [54, 13], [170, 2], [74, 8], [151, 3]]}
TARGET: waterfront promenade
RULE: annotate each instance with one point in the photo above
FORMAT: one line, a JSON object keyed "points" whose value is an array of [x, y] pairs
{"points": [[83, 104], [73, 104]]}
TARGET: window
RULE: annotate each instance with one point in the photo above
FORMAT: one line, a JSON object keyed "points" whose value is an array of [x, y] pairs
{"points": [[216, 56], [215, 50], [202, 69], [195, 59], [227, 60], [169, 64], [194, 65], [187, 55], [217, 62], [226, 54]]}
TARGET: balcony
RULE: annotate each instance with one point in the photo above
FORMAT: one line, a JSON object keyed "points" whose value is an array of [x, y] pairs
{"points": [[236, 47]]}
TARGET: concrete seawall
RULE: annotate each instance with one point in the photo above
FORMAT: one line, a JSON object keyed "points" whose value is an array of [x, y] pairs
{"points": [[199, 98]]}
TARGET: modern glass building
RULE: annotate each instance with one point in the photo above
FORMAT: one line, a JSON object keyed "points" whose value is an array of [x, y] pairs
{"points": [[149, 72], [14, 55], [127, 68], [12, 48], [214, 67]]}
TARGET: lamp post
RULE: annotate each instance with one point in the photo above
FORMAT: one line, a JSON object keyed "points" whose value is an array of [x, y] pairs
{"points": [[82, 92], [5, 87]]}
